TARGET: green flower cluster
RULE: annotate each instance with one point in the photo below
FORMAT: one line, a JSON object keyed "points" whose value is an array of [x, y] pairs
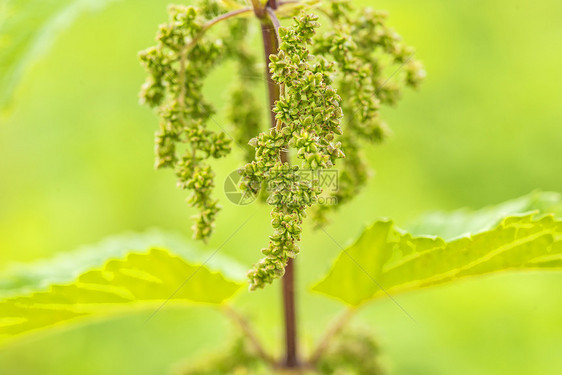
{"points": [[354, 58], [373, 64], [308, 117], [354, 353], [177, 66], [238, 359], [243, 109]]}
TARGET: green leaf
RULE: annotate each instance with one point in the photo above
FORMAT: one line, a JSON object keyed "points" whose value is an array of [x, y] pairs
{"points": [[27, 29], [449, 225], [22, 278], [387, 260], [140, 280]]}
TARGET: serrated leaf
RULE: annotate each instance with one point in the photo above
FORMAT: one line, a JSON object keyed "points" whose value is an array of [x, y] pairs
{"points": [[449, 225], [346, 275], [22, 278], [27, 29], [395, 261], [141, 279]]}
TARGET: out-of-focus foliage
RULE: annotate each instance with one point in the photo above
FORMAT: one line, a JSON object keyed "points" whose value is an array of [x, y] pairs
{"points": [[394, 261], [239, 359], [156, 277], [27, 29], [353, 353], [453, 224]]}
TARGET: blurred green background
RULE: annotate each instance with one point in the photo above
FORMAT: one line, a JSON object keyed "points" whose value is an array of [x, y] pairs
{"points": [[77, 165]]}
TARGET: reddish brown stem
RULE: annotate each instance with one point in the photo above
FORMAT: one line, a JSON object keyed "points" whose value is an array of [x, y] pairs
{"points": [[271, 46], [291, 356]]}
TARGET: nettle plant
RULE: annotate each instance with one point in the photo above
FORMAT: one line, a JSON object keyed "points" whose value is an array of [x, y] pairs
{"points": [[328, 69], [313, 77]]}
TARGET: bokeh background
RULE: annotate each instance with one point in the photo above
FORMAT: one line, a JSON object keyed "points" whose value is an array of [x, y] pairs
{"points": [[76, 166]]}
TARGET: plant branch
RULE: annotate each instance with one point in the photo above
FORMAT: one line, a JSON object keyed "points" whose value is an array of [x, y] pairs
{"points": [[271, 46], [275, 21], [291, 337], [259, 9], [335, 328], [289, 2], [207, 25], [249, 333], [225, 16]]}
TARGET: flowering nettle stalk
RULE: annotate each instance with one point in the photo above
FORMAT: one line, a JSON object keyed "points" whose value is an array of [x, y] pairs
{"points": [[330, 82], [308, 116]]}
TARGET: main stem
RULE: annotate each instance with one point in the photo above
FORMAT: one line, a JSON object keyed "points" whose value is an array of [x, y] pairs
{"points": [[271, 46], [291, 356]]}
